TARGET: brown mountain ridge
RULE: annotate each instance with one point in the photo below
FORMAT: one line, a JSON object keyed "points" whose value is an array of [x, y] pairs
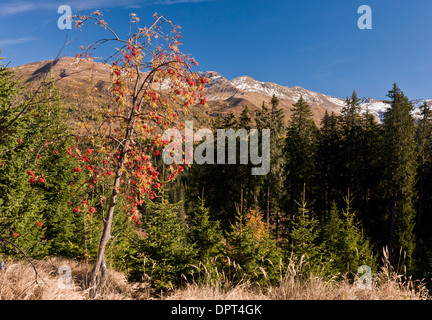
{"points": [[77, 77]]}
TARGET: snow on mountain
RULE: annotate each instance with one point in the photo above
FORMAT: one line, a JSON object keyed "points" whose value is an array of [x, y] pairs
{"points": [[247, 84], [417, 104], [222, 94], [244, 85], [378, 108], [375, 107]]}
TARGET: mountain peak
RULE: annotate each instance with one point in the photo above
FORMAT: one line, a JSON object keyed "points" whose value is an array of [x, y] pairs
{"points": [[222, 94]]}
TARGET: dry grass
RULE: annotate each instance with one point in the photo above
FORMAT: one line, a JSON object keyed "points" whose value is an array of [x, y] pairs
{"points": [[297, 284], [386, 284], [217, 292], [17, 282]]}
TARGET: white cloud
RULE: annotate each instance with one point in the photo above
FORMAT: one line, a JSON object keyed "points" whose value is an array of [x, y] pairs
{"points": [[6, 42], [16, 7], [179, 1], [13, 8]]}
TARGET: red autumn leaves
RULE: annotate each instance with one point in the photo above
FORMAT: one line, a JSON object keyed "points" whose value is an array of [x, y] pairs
{"points": [[194, 96], [38, 224], [164, 84], [77, 208], [139, 164], [33, 178], [131, 54]]}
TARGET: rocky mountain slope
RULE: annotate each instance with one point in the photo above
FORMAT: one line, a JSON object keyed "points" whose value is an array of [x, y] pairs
{"points": [[227, 95], [223, 95]]}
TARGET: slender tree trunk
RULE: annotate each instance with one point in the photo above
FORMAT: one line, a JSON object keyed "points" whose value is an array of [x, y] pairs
{"points": [[99, 273], [392, 226], [277, 227], [292, 201], [85, 249], [420, 207], [268, 199]]}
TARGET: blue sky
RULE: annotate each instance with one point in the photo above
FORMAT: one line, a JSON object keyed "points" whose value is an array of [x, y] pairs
{"points": [[315, 44]]}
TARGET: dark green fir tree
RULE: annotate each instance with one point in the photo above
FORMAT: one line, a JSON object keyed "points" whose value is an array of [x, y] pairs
{"points": [[400, 158]]}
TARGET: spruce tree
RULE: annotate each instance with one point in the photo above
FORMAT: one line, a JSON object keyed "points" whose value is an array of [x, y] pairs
{"points": [[300, 152], [163, 253], [64, 228], [245, 120], [22, 203], [224, 183], [328, 160], [205, 234], [399, 154], [251, 249], [344, 243], [351, 129], [242, 173], [424, 141], [304, 234], [424, 187], [369, 170], [272, 118]]}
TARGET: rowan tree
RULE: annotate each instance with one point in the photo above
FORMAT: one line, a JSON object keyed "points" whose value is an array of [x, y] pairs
{"points": [[151, 81]]}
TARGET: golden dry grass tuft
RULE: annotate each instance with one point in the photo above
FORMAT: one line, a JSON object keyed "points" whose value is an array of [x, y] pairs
{"points": [[385, 284], [17, 282], [298, 284]]}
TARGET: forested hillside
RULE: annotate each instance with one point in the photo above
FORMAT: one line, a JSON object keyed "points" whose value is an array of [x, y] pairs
{"points": [[347, 193]]}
